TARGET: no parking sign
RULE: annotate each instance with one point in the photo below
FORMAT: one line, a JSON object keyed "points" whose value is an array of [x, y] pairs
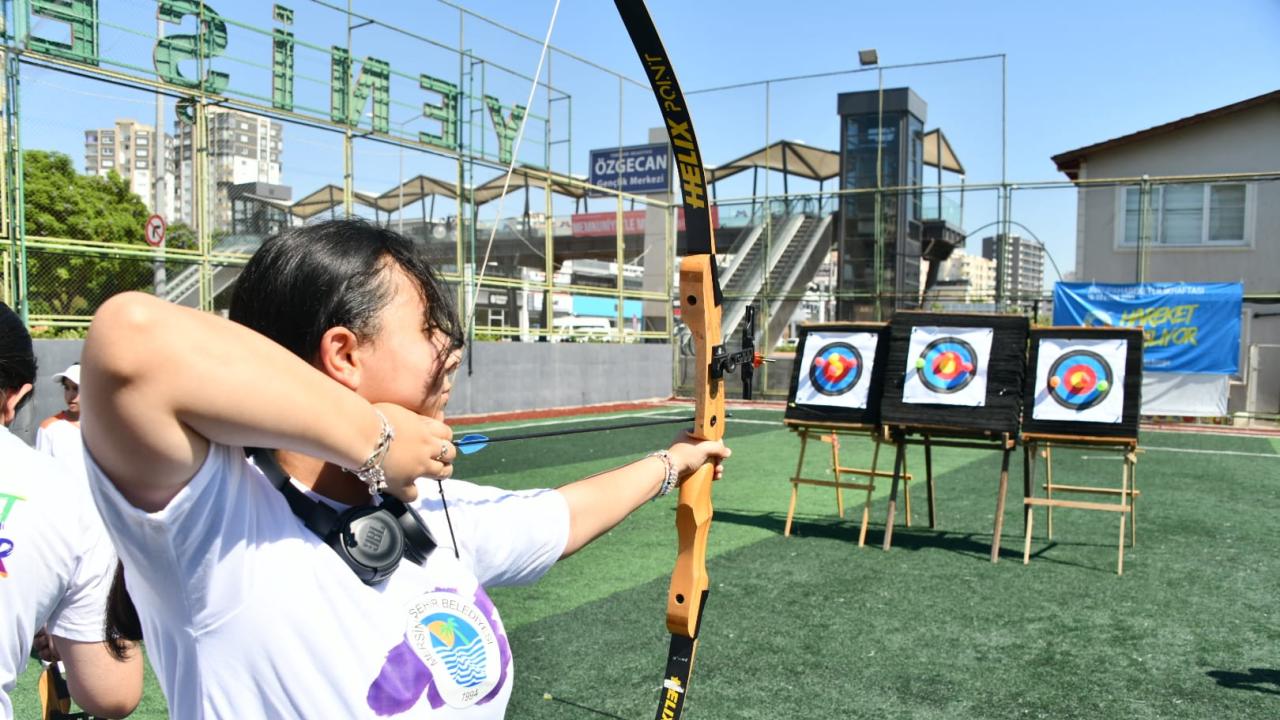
{"points": [[153, 231]]}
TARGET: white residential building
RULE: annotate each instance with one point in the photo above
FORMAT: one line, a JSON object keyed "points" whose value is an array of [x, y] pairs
{"points": [[1020, 278], [136, 154]]}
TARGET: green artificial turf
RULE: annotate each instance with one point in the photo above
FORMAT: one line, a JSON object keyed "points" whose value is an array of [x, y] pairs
{"points": [[812, 626]]}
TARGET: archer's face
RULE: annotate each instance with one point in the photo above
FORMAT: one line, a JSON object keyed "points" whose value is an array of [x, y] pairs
{"points": [[407, 363]]}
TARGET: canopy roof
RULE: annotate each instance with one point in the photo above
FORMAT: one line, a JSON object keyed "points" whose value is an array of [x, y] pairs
{"points": [[530, 177], [796, 158], [325, 198], [411, 191], [787, 156], [938, 152]]}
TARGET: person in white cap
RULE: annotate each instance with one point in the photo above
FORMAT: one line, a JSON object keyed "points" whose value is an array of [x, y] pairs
{"points": [[59, 435]]}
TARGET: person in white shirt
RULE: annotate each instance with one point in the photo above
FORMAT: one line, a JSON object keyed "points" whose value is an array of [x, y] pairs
{"points": [[59, 435], [56, 561], [268, 586]]}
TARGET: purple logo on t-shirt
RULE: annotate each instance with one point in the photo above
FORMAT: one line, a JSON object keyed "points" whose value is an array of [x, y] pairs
{"points": [[454, 650]]}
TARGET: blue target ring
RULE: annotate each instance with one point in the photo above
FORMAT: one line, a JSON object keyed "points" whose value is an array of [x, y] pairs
{"points": [[836, 368], [947, 365], [1080, 379]]}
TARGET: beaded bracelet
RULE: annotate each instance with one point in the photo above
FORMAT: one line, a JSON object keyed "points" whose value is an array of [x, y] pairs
{"points": [[669, 481], [370, 473]]}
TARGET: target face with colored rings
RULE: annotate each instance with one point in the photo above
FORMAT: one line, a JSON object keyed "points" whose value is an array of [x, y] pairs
{"points": [[947, 365], [836, 368], [1079, 379]]}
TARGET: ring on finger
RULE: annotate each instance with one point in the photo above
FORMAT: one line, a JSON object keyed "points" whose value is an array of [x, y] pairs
{"points": [[444, 451]]}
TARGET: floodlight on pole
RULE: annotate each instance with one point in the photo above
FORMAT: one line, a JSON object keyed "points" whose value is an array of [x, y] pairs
{"points": [[868, 57]]}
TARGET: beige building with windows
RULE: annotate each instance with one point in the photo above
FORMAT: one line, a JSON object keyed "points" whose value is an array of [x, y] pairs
{"points": [[243, 148], [136, 154], [965, 278], [1220, 228]]}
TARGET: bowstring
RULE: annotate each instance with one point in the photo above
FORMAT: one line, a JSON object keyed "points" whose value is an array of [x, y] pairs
{"points": [[511, 168]]}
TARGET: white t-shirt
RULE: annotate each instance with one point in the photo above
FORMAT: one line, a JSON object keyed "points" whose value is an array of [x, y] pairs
{"points": [[248, 614], [60, 438], [56, 562]]}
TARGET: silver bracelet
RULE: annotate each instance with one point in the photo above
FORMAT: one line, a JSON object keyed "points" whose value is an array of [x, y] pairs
{"points": [[370, 473], [669, 481]]}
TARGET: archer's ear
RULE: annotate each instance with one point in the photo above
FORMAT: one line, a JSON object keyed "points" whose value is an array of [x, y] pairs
{"points": [[9, 403], [339, 358]]}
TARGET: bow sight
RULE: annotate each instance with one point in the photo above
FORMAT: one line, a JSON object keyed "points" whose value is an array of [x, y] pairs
{"points": [[747, 358]]}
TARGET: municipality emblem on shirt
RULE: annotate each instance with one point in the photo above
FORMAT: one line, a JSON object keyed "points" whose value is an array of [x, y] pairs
{"points": [[453, 653], [458, 644]]}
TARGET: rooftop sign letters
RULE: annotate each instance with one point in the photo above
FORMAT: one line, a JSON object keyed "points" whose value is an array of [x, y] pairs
{"points": [[348, 96]]}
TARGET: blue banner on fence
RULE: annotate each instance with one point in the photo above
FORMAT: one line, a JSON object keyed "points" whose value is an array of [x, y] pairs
{"points": [[1190, 327], [638, 169]]}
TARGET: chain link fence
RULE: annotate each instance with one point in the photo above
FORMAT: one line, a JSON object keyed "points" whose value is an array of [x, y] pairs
{"points": [[281, 117]]}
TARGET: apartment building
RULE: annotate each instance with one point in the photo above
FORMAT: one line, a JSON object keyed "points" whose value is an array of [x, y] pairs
{"points": [[1020, 276], [243, 148], [136, 153]]}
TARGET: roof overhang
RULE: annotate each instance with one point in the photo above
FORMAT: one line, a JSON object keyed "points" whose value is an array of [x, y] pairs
{"points": [[1069, 162], [938, 152]]}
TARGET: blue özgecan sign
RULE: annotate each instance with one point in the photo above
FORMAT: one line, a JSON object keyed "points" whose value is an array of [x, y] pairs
{"points": [[638, 169], [1189, 327]]}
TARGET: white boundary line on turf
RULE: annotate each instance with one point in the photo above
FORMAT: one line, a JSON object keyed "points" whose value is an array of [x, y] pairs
{"points": [[1211, 452]]}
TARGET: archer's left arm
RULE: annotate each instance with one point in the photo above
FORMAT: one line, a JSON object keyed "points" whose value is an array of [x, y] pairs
{"points": [[599, 502]]}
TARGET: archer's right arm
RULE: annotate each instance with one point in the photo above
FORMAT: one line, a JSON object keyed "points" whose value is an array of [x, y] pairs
{"points": [[161, 382]]}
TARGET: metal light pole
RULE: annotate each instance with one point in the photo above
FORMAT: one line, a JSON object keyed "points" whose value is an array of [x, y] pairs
{"points": [[866, 58], [160, 279]]}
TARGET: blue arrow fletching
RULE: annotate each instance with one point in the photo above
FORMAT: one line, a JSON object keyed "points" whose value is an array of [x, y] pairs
{"points": [[469, 444]]}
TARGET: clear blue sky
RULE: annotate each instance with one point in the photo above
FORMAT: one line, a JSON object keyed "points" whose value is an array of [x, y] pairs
{"points": [[1078, 73]]}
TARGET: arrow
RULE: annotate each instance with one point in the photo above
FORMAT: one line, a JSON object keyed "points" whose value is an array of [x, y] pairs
{"points": [[472, 443]]}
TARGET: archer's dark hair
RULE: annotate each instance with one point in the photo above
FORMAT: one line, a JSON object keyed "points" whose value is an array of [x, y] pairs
{"points": [[309, 279], [123, 628], [17, 356]]}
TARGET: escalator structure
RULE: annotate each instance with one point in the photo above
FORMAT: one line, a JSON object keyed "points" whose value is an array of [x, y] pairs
{"points": [[800, 244]]}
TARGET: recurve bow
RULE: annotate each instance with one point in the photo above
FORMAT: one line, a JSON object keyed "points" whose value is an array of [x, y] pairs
{"points": [[700, 307]]}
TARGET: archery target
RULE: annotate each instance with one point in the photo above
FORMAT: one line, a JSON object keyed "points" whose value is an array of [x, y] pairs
{"points": [[1080, 380], [947, 366], [836, 369]]}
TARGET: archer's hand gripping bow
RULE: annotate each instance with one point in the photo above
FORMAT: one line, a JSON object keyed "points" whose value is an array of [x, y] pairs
{"points": [[700, 307]]}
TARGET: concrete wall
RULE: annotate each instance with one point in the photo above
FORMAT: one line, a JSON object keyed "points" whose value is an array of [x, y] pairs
{"points": [[1243, 142], [536, 376], [504, 377]]}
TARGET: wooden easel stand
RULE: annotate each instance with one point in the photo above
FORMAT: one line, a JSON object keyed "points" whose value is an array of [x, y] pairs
{"points": [[1127, 493], [959, 439], [830, 433]]}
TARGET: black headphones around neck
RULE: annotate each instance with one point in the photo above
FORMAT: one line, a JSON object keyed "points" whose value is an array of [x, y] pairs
{"points": [[370, 539]]}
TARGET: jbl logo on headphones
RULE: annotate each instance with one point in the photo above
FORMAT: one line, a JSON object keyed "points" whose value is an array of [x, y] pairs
{"points": [[372, 540]]}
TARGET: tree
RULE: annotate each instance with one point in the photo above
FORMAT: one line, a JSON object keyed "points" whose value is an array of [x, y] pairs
{"points": [[61, 203]]}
